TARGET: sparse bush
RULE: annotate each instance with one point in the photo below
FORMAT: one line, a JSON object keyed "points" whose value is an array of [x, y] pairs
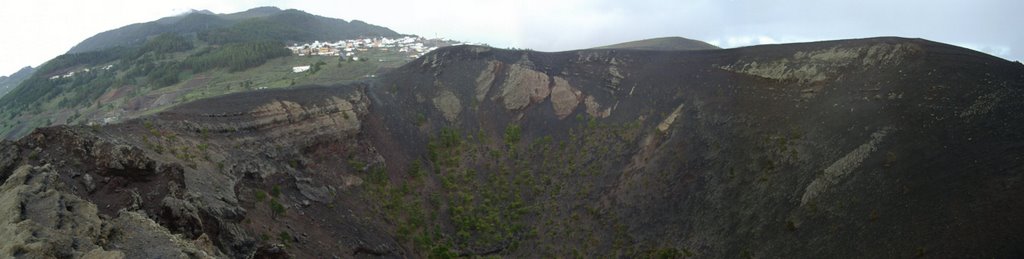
{"points": [[316, 67], [415, 169], [284, 237], [260, 196], [378, 175], [356, 164], [512, 134], [442, 251], [421, 119], [668, 253], [276, 191], [276, 207], [745, 254]]}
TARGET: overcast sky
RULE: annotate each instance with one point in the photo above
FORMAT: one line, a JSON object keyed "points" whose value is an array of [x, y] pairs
{"points": [[35, 31]]}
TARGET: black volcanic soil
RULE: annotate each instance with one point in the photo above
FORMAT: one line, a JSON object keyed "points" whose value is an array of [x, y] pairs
{"points": [[883, 147]]}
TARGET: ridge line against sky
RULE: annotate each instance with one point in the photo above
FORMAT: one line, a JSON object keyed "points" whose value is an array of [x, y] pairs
{"points": [[36, 31]]}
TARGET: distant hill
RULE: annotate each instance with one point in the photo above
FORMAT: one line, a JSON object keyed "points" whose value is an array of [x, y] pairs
{"points": [[262, 23], [666, 43], [136, 34], [293, 25], [257, 12], [164, 62], [10, 82]]}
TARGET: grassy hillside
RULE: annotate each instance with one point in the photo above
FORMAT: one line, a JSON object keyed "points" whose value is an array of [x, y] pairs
{"points": [[294, 25], [122, 83], [263, 23], [145, 67], [8, 83]]}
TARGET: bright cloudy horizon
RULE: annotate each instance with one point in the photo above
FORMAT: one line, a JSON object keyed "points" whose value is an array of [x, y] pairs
{"points": [[36, 31]]}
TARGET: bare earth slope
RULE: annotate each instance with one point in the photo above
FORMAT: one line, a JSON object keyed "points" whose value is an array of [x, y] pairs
{"points": [[883, 147]]}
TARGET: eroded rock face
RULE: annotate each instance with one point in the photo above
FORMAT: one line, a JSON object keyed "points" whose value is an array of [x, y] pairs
{"points": [[140, 237], [99, 253], [594, 108], [175, 178], [615, 73], [448, 104], [486, 79], [39, 218], [279, 118], [122, 157], [845, 165], [564, 97], [313, 191], [670, 119], [523, 86], [181, 216], [824, 64]]}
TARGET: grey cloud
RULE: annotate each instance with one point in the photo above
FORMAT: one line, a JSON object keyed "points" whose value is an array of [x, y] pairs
{"points": [[983, 25]]}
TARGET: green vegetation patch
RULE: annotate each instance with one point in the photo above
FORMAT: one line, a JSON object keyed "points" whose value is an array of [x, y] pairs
{"points": [[472, 197]]}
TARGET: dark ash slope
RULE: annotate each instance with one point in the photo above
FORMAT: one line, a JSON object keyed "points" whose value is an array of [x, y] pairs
{"points": [[883, 147], [664, 43]]}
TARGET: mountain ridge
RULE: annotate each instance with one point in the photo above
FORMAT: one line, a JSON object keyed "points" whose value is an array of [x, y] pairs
{"points": [[90, 83], [662, 43], [197, 22], [8, 83], [879, 147]]}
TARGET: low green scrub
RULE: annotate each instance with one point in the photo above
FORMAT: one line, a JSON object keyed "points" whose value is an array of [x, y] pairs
{"points": [[260, 196], [479, 198], [276, 207]]}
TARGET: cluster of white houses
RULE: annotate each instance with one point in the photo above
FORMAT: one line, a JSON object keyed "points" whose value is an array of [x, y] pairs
{"points": [[415, 46], [72, 73]]}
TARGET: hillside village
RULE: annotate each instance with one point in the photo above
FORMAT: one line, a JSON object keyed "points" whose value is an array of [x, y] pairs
{"points": [[178, 59], [410, 47], [350, 48], [84, 70], [382, 51], [414, 46]]}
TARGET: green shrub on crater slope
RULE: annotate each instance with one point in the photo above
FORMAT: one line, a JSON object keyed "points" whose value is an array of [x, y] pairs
{"points": [[484, 197]]}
